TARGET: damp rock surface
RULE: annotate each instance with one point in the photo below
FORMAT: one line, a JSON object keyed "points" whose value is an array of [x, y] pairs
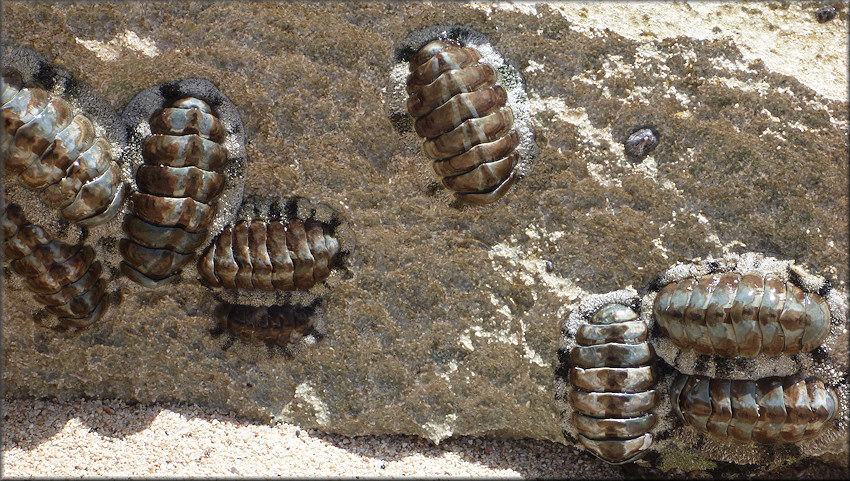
{"points": [[446, 320]]}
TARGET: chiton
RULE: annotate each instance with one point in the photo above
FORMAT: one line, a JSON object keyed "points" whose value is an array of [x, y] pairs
{"points": [[613, 379], [766, 411], [461, 111], [270, 255], [178, 184], [64, 277], [733, 314], [279, 324], [54, 149]]}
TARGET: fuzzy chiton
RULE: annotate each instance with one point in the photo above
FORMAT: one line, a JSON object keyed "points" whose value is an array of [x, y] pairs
{"points": [[462, 111], [613, 380], [767, 411], [275, 325], [184, 171], [271, 253], [64, 277], [55, 149], [741, 314]]}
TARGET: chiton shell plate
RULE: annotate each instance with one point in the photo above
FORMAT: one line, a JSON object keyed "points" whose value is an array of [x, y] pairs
{"points": [[469, 106], [187, 176], [61, 140]]}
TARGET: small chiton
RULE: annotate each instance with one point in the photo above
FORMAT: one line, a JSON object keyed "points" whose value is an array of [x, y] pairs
{"points": [[733, 314], [55, 148], [182, 175], [271, 253], [464, 113], [767, 411], [275, 325], [61, 276], [613, 379]]}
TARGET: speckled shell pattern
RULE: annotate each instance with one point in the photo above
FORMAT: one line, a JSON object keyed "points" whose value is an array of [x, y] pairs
{"points": [[61, 276], [58, 153], [613, 378], [461, 112], [178, 184], [734, 314], [281, 325], [270, 255], [767, 411]]}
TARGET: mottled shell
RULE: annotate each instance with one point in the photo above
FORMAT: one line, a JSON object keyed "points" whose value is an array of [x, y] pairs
{"points": [[58, 153], [641, 143], [767, 411], [63, 277], [269, 255], [462, 114], [178, 185], [733, 314], [281, 325], [613, 380]]}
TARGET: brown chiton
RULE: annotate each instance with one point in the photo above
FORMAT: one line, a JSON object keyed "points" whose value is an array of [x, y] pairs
{"points": [[613, 379], [270, 255], [733, 314], [55, 150], [61, 276], [767, 411], [460, 110], [279, 324], [178, 185]]}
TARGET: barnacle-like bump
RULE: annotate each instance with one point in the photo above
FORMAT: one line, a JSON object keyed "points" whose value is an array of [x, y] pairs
{"points": [[270, 255], [63, 277], [613, 380], [57, 152], [766, 411], [178, 185], [826, 13], [279, 324], [461, 112], [733, 314], [641, 142]]}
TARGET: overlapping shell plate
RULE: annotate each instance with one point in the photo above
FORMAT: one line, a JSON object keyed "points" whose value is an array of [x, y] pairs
{"points": [[280, 325], [61, 140], [469, 106], [606, 380], [65, 278], [749, 407], [744, 316], [767, 411], [187, 162], [276, 250]]}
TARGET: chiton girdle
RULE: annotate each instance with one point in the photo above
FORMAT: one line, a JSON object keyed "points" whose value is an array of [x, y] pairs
{"points": [[188, 162], [475, 127], [64, 277], [61, 140]]}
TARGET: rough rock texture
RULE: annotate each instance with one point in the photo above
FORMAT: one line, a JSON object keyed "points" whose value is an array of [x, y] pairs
{"points": [[446, 319]]}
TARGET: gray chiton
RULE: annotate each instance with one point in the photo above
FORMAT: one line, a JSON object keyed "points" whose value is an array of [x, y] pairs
{"points": [[55, 149], [613, 380], [186, 157], [460, 109], [767, 411], [64, 277], [275, 325], [734, 314]]}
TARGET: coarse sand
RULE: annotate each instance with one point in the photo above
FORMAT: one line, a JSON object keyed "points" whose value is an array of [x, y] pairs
{"points": [[109, 438], [94, 438]]}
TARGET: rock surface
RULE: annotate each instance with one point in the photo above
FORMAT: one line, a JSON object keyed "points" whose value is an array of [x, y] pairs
{"points": [[446, 319]]}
